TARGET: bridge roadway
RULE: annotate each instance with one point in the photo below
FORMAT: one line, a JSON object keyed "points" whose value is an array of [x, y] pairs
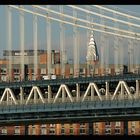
{"points": [[87, 111], [71, 81]]}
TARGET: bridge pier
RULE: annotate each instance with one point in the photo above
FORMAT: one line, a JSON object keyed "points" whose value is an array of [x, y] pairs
{"points": [[26, 130], [125, 127], [90, 128]]}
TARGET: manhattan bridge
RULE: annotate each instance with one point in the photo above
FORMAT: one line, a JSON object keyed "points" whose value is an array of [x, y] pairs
{"points": [[97, 36]]}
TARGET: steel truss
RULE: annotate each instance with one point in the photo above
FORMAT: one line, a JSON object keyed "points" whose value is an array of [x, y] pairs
{"points": [[92, 93]]}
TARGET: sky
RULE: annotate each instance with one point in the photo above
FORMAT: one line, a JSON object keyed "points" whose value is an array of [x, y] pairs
{"points": [[133, 9]]}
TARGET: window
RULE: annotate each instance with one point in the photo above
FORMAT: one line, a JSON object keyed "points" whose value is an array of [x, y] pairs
{"points": [[4, 131], [33, 77], [96, 124], [118, 124], [17, 130], [52, 131], [43, 71], [82, 131], [52, 125], [107, 124], [16, 70], [132, 131], [16, 78], [71, 70], [82, 124], [3, 77], [33, 130], [117, 131], [43, 131], [32, 71], [107, 131], [3, 70], [96, 131], [62, 131], [71, 131], [133, 123]]}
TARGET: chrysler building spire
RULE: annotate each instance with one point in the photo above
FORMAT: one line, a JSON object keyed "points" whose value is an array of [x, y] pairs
{"points": [[92, 55]]}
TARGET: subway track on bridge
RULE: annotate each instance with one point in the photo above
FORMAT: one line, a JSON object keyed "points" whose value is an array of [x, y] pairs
{"points": [[106, 98]]}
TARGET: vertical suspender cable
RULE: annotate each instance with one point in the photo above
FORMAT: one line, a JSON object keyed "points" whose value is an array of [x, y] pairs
{"points": [[88, 38], [62, 44], [48, 30], [121, 54], [116, 47], [9, 36], [130, 51], [21, 18], [102, 62], [35, 46], [75, 49]]}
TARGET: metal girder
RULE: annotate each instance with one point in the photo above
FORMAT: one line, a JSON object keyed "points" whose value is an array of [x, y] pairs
{"points": [[123, 86], [34, 91], [8, 94], [93, 87], [65, 113], [63, 88]]}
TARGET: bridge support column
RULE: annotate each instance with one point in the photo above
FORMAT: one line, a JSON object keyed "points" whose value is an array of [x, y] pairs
{"points": [[49, 93], [137, 88], [92, 93], [26, 129], [125, 127], [7, 98], [21, 95], [63, 95], [107, 90], [122, 91], [90, 128], [77, 92], [35, 96]]}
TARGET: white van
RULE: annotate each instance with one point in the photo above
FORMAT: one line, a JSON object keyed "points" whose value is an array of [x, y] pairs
{"points": [[53, 76], [45, 77]]}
